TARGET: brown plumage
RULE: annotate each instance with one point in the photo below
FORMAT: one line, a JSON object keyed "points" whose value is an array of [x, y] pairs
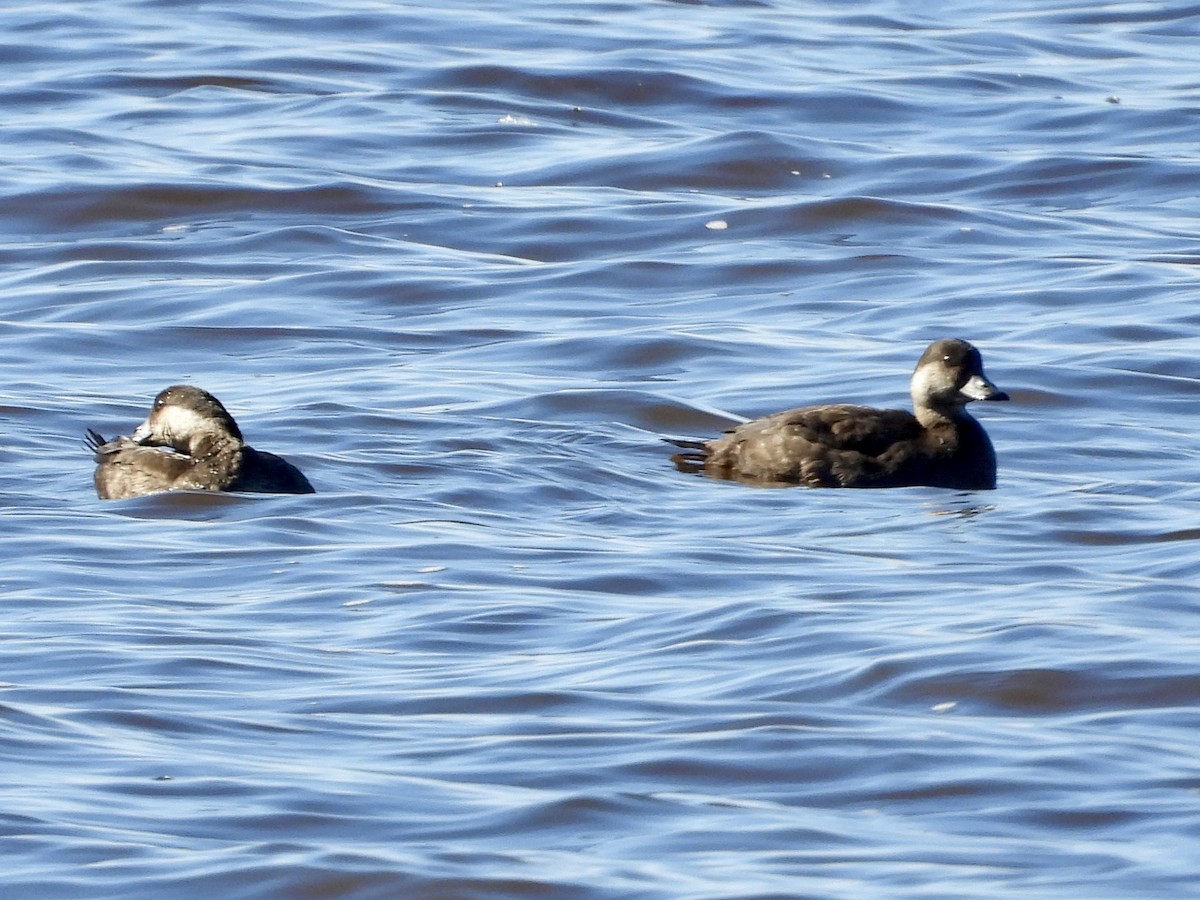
{"points": [[188, 442], [857, 446]]}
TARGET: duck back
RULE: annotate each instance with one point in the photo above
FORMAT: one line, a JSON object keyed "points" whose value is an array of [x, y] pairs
{"points": [[260, 472]]}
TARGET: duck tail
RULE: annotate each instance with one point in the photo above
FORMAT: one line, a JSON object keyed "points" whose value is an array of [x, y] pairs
{"points": [[693, 456], [93, 440]]}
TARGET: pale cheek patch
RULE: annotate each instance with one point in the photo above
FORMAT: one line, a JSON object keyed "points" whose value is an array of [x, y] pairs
{"points": [[178, 422]]}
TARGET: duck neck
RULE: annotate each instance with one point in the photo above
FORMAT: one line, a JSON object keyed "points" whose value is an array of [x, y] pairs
{"points": [[932, 417], [209, 445]]}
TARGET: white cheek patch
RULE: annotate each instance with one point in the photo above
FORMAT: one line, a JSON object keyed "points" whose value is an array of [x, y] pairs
{"points": [[177, 422], [923, 384]]}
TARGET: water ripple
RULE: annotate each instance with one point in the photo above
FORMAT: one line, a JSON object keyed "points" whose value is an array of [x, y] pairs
{"points": [[468, 268]]}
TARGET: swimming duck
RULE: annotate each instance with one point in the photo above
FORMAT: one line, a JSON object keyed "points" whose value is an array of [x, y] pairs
{"points": [[188, 442], [938, 444]]}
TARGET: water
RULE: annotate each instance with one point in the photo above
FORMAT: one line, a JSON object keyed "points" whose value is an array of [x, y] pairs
{"points": [[467, 267]]}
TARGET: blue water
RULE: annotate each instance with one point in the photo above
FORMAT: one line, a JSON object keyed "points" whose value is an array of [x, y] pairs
{"points": [[467, 268]]}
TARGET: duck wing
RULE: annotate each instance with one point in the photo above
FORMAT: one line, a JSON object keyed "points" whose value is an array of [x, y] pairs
{"points": [[822, 446], [125, 468], [855, 429]]}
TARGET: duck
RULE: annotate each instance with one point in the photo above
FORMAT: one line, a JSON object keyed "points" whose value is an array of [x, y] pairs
{"points": [[189, 442], [939, 444]]}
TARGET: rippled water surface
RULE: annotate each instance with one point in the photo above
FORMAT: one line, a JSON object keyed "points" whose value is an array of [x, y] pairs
{"points": [[467, 266]]}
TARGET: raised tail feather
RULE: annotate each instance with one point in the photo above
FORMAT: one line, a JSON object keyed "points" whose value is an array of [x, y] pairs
{"points": [[94, 440]]}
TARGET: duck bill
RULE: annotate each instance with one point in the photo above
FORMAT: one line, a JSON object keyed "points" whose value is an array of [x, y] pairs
{"points": [[979, 388], [142, 434]]}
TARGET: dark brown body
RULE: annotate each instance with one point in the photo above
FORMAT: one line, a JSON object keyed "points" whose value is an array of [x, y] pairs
{"points": [[189, 442], [841, 445]]}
